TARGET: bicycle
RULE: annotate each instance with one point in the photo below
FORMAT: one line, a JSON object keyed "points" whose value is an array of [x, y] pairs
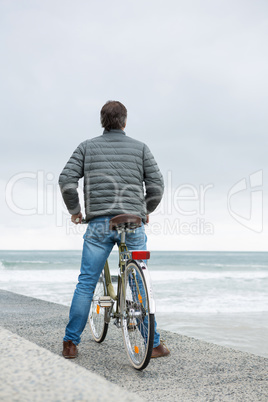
{"points": [[132, 306]]}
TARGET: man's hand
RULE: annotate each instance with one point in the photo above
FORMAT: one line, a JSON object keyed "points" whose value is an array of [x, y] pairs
{"points": [[147, 219], [77, 218]]}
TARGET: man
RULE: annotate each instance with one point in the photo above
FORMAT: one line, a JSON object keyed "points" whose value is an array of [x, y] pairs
{"points": [[115, 169]]}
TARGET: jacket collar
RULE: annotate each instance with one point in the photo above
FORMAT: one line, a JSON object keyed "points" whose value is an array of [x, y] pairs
{"points": [[113, 131]]}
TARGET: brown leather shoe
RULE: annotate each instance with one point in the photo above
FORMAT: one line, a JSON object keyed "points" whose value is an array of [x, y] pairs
{"points": [[69, 350], [160, 351]]}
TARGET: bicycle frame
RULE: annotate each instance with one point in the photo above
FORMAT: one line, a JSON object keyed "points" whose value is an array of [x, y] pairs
{"points": [[132, 306], [123, 251]]}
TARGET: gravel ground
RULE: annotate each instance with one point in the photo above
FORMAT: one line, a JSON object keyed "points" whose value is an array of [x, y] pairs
{"points": [[195, 370]]}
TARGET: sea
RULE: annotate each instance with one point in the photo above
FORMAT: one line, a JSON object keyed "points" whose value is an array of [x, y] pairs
{"points": [[219, 297]]}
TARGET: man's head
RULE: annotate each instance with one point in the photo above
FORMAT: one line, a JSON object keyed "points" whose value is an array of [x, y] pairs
{"points": [[113, 115]]}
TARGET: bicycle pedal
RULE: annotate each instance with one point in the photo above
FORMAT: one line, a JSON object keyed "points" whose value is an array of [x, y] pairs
{"points": [[105, 301], [131, 327]]}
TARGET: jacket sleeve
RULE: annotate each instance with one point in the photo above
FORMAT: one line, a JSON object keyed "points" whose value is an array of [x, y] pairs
{"points": [[153, 179], [68, 180]]}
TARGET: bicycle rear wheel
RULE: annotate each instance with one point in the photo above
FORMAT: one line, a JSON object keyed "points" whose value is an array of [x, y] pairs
{"points": [[137, 322], [97, 322]]}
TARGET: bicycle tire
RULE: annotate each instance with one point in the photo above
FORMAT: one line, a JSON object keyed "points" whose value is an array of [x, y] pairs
{"points": [[137, 322], [97, 323]]}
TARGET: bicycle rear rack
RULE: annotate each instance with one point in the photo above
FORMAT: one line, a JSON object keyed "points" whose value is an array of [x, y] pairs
{"points": [[135, 255]]}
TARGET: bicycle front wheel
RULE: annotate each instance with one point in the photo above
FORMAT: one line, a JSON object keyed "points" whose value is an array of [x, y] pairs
{"points": [[97, 313], [137, 322]]}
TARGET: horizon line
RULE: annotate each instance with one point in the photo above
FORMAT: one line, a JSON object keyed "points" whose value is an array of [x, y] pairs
{"points": [[182, 251]]}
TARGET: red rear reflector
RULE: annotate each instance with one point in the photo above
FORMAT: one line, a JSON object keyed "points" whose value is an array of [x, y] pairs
{"points": [[141, 255]]}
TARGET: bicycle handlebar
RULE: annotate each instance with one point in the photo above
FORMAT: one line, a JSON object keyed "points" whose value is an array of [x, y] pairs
{"points": [[78, 220]]}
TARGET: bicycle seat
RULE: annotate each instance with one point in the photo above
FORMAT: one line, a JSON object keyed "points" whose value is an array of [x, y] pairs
{"points": [[125, 221]]}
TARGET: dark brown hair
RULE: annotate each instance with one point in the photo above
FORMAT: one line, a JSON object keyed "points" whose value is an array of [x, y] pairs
{"points": [[113, 115]]}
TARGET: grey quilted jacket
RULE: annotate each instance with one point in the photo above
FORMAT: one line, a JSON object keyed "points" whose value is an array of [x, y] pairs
{"points": [[120, 176]]}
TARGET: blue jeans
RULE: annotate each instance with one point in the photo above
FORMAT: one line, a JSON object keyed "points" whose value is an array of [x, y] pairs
{"points": [[98, 243]]}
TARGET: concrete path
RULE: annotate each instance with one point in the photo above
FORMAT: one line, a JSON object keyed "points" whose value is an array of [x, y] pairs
{"points": [[31, 373], [195, 371]]}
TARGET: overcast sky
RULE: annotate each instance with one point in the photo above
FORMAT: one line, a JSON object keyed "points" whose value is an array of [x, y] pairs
{"points": [[193, 76]]}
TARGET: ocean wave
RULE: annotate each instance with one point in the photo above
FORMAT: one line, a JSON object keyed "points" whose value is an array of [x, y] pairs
{"points": [[235, 266], [239, 304], [210, 309], [36, 265], [184, 276], [28, 262], [28, 277]]}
